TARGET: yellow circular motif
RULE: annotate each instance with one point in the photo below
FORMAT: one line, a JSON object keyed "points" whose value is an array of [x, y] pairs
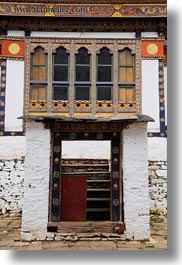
{"points": [[14, 48], [152, 48]]}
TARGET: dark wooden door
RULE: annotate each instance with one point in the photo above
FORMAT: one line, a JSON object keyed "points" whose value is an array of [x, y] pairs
{"points": [[73, 198]]}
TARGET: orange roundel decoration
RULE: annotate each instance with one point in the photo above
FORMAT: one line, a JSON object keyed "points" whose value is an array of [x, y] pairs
{"points": [[152, 48], [12, 48]]}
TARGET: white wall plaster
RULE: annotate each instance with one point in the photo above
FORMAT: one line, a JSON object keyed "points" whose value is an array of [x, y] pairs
{"points": [[86, 149], [157, 147], [36, 184], [149, 34], [16, 33], [96, 35], [150, 92], [135, 181], [14, 95], [12, 147]]}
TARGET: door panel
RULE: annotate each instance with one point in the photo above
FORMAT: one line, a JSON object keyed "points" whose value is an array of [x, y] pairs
{"points": [[73, 198]]}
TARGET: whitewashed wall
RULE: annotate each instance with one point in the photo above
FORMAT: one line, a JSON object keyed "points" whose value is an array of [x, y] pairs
{"points": [[36, 182], [149, 34], [150, 92], [86, 149], [14, 95], [14, 148], [112, 35], [135, 181], [16, 33]]}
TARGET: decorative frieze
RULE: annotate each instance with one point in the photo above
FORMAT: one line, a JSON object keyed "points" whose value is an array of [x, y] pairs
{"points": [[83, 10]]}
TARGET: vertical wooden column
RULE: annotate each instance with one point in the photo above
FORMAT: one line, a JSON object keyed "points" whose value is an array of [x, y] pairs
{"points": [[49, 76], [56, 176], [115, 168], [93, 77], [115, 77], [72, 76]]}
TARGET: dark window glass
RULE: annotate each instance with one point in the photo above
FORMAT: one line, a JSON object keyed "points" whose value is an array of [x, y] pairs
{"points": [[104, 57], [82, 57], [82, 73], [61, 57], [104, 73], [60, 93], [82, 93], [104, 93], [60, 73]]}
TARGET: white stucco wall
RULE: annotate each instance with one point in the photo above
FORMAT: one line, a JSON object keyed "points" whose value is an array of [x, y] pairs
{"points": [[135, 181], [14, 95], [16, 33], [149, 34], [99, 35], [150, 92], [36, 183], [157, 149], [12, 147], [86, 149]]}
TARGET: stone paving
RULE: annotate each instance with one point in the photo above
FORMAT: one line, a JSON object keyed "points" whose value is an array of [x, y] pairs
{"points": [[10, 227]]}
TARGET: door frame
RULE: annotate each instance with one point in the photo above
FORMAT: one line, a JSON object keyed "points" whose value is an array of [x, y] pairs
{"points": [[75, 131]]}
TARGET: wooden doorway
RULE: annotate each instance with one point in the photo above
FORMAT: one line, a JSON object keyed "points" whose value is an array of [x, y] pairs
{"points": [[59, 203]]}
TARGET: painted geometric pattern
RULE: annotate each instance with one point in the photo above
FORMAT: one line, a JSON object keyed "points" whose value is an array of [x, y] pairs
{"points": [[2, 104], [163, 128]]}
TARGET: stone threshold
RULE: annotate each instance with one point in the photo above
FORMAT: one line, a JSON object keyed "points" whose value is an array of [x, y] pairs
{"points": [[73, 237]]}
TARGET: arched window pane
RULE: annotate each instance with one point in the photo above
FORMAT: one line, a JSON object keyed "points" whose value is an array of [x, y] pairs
{"points": [[104, 57], [82, 65], [38, 65], [60, 61], [126, 66], [61, 57], [82, 57]]}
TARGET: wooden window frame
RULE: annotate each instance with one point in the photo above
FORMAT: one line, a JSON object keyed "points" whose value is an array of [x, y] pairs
{"points": [[114, 105], [104, 83], [38, 83], [60, 83], [87, 83], [126, 84]]}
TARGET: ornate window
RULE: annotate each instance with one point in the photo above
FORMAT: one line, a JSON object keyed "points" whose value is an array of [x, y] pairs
{"points": [[126, 84], [60, 74], [38, 82], [104, 75], [92, 76], [82, 75]]}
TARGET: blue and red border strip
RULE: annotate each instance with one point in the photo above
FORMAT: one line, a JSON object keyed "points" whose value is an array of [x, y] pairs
{"points": [[163, 127], [3, 102]]}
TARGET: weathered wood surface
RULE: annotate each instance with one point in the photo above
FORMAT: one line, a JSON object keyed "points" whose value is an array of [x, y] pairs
{"points": [[87, 227]]}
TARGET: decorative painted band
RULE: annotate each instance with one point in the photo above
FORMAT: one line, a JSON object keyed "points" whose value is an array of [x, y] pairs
{"points": [[3, 102], [83, 10]]}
